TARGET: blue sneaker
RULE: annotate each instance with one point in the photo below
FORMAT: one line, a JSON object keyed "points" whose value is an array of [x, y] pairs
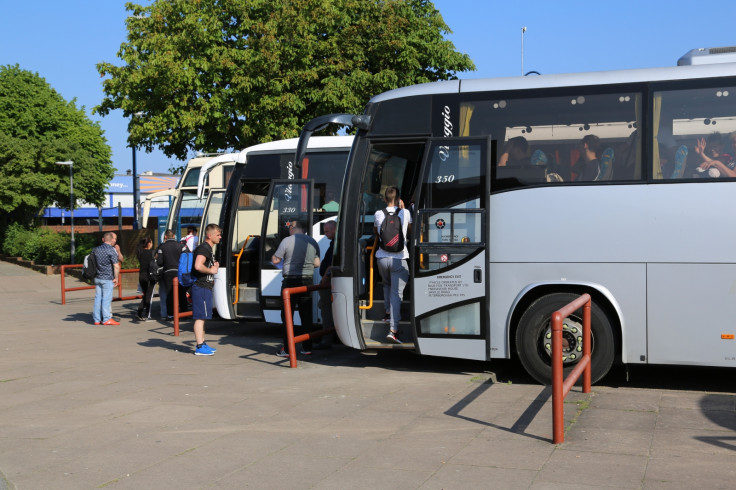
{"points": [[211, 348], [205, 350]]}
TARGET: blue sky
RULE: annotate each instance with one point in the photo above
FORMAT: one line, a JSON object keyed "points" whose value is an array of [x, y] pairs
{"points": [[62, 42]]}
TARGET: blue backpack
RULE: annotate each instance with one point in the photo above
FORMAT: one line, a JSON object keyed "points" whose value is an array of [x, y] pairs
{"points": [[186, 267]]}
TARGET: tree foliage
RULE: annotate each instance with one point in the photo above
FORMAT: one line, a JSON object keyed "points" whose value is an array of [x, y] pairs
{"points": [[215, 74], [37, 128]]}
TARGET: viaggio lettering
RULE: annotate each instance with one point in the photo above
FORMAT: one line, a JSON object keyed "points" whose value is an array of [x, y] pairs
{"points": [[290, 176], [444, 151]]}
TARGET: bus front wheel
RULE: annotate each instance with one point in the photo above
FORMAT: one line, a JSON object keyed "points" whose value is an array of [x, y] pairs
{"points": [[534, 338]]}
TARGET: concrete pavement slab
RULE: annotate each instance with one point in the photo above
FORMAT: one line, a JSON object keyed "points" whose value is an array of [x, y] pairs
{"points": [[131, 407]]}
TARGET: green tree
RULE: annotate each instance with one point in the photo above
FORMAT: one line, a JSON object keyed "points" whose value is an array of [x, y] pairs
{"points": [[210, 75], [37, 128]]}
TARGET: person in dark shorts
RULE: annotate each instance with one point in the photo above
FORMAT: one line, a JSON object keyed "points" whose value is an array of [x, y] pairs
{"points": [[205, 268]]}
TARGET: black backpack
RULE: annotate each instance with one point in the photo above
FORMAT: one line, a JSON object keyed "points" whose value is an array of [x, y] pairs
{"points": [[391, 237], [89, 269], [155, 271]]}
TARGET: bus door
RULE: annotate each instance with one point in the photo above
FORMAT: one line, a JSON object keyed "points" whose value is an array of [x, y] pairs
{"points": [[289, 201], [212, 210], [167, 197], [449, 277]]}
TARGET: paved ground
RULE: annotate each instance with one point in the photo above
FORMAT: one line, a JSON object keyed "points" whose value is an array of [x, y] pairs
{"points": [[130, 407]]}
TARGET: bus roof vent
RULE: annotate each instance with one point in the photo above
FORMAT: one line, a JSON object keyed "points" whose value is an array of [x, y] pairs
{"points": [[704, 56]]}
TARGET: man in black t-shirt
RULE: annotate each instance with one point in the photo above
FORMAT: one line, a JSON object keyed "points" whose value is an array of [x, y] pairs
{"points": [[205, 268]]}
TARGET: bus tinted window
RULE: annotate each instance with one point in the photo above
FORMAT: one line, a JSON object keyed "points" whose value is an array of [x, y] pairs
{"points": [[191, 178], [386, 166], [326, 168], [571, 138], [190, 211], [694, 134], [455, 177]]}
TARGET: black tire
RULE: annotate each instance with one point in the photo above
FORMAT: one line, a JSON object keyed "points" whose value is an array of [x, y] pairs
{"points": [[535, 325]]}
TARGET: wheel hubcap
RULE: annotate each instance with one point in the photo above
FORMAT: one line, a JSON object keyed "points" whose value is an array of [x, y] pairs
{"points": [[572, 340]]}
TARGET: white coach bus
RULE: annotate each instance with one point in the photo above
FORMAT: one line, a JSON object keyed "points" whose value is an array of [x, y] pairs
{"points": [[267, 191], [528, 191], [185, 205]]}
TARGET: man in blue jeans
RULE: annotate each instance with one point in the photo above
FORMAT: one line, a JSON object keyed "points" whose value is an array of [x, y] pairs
{"points": [[108, 275]]}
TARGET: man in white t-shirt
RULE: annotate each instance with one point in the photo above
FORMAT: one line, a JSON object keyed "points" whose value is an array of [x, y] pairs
{"points": [[191, 240], [392, 265]]}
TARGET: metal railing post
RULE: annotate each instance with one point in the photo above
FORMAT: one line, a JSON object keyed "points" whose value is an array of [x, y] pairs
{"points": [[558, 397], [291, 339], [63, 291], [290, 344], [561, 387], [175, 292]]}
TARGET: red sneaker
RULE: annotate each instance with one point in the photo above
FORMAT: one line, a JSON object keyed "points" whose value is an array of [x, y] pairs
{"points": [[111, 322], [97, 323]]}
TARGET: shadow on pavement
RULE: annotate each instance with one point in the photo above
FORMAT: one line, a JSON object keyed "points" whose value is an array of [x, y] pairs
{"points": [[521, 424]]}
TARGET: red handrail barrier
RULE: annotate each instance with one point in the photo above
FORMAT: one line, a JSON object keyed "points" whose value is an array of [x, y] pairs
{"points": [[560, 387], [177, 315], [290, 339], [120, 296]]}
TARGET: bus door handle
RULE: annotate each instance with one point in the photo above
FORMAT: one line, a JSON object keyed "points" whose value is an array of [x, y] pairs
{"points": [[477, 276]]}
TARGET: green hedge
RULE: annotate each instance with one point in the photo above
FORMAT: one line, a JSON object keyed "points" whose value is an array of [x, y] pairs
{"points": [[45, 246]]}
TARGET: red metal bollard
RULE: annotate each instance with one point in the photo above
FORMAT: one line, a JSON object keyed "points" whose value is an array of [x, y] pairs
{"points": [[290, 339], [560, 387]]}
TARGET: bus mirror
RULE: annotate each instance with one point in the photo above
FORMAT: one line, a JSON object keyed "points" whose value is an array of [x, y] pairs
{"points": [[362, 122]]}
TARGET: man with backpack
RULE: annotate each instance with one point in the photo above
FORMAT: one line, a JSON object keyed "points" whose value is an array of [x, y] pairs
{"points": [[106, 278], [204, 270], [391, 225], [167, 256]]}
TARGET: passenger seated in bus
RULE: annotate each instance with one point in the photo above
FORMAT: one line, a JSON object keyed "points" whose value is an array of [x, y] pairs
{"points": [[516, 152], [590, 158], [716, 163], [330, 204]]}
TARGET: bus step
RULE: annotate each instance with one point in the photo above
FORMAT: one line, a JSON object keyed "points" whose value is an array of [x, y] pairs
{"points": [[249, 310], [374, 332], [248, 294], [372, 344]]}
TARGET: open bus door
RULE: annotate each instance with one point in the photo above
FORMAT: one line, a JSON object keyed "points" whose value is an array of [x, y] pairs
{"points": [[256, 282], [449, 279], [157, 196]]}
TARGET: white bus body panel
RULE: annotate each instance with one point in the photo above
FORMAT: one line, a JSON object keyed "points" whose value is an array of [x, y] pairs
{"points": [[343, 308], [219, 294], [653, 247], [271, 286], [456, 348], [690, 307]]}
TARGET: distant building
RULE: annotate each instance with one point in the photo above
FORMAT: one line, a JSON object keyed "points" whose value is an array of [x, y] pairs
{"points": [[118, 201]]}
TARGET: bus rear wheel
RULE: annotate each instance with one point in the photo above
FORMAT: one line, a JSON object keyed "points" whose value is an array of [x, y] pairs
{"points": [[534, 338]]}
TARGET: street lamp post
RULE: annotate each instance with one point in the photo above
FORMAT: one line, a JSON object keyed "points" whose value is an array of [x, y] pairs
{"points": [[136, 189], [136, 192], [523, 30], [71, 200]]}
